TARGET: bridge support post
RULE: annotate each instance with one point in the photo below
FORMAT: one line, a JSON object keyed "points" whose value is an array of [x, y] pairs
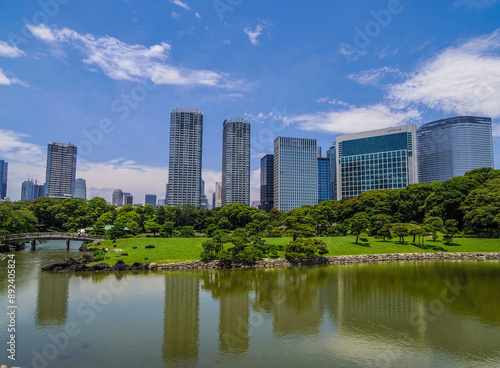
{"points": [[33, 244], [67, 244]]}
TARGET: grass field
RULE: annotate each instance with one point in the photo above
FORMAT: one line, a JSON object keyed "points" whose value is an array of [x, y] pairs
{"points": [[171, 250]]}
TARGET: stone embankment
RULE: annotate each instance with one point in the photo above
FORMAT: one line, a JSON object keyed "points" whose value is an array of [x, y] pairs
{"points": [[81, 264], [333, 260]]}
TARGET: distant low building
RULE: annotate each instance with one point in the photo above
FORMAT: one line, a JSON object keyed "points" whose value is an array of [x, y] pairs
{"points": [[150, 199], [128, 199]]}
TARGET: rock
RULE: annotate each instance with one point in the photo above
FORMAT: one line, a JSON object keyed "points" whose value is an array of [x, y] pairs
{"points": [[134, 247], [100, 267], [114, 246], [83, 248], [120, 266], [124, 254], [152, 266], [138, 266], [145, 258], [114, 241], [150, 246]]}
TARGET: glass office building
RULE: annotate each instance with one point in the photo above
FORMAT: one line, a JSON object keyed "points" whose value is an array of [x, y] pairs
{"points": [[331, 154], [323, 179], [117, 199], [185, 154], [267, 183], [30, 190], [376, 160], [295, 173], [80, 189], [150, 199], [61, 170], [451, 147], [236, 162], [3, 179]]}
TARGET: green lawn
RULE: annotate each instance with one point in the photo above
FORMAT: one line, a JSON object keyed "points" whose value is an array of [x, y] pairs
{"points": [[170, 250]]}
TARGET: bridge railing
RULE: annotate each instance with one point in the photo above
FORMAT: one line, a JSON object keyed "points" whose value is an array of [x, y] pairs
{"points": [[51, 235]]}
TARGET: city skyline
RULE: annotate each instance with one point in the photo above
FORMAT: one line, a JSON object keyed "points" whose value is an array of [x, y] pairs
{"points": [[327, 69]]}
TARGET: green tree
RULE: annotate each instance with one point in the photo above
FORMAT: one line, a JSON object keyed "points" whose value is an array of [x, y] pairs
{"points": [[384, 233], [359, 223], [305, 248], [434, 225], [187, 232], [152, 226], [99, 228], [400, 230], [482, 209], [117, 231], [210, 230], [298, 223], [450, 229], [167, 229]]}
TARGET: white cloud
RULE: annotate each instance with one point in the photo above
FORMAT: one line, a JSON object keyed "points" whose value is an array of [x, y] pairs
{"points": [[197, 15], [122, 61], [332, 101], [253, 35], [181, 4], [10, 51], [355, 119], [226, 42], [174, 15], [460, 80], [479, 4], [374, 76]]}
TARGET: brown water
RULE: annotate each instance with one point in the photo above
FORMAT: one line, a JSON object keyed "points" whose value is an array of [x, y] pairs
{"points": [[435, 314]]}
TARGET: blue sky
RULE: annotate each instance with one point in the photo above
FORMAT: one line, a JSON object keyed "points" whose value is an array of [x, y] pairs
{"points": [[104, 74]]}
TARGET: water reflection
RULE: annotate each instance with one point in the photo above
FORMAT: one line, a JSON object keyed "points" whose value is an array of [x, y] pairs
{"points": [[181, 322], [52, 299]]}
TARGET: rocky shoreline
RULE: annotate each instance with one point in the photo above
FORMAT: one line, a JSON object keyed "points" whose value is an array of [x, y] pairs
{"points": [[81, 264]]}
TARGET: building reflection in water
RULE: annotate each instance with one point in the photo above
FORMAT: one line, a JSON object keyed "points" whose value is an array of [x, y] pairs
{"points": [[52, 299], [181, 320], [372, 310]]}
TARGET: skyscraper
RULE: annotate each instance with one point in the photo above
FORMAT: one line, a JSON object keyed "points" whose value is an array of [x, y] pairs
{"points": [[3, 179], [236, 162], [184, 164], [378, 159], [295, 173], [267, 183], [331, 154], [323, 179], [30, 190], [218, 194], [80, 189], [203, 197], [61, 170], [451, 147], [117, 199], [150, 199]]}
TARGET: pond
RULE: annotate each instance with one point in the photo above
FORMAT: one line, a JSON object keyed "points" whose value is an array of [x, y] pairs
{"points": [[422, 314]]}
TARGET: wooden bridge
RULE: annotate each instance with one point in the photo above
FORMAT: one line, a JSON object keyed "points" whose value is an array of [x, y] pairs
{"points": [[33, 237]]}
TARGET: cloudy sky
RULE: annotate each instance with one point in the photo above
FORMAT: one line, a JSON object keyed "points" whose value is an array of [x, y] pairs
{"points": [[104, 74]]}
